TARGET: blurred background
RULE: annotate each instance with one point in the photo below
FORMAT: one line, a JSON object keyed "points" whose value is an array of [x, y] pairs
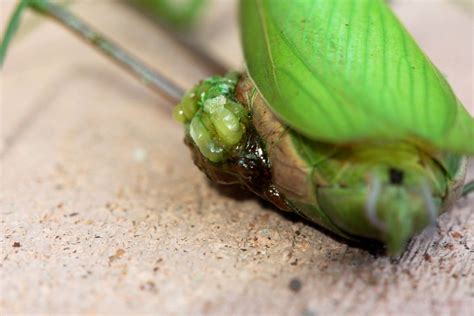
{"points": [[102, 210]]}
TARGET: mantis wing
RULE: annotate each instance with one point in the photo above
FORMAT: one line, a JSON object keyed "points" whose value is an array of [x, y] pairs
{"points": [[347, 71]]}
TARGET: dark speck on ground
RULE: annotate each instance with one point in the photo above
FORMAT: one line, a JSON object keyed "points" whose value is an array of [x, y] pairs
{"points": [[295, 285]]}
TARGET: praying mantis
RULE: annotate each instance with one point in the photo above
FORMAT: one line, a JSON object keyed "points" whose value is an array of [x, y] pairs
{"points": [[340, 117]]}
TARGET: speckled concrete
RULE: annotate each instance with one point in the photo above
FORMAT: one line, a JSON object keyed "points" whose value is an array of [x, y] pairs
{"points": [[103, 212]]}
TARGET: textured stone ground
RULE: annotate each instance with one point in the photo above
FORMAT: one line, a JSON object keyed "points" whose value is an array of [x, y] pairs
{"points": [[103, 212]]}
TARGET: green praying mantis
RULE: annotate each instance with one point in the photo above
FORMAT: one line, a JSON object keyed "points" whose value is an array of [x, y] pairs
{"points": [[340, 117]]}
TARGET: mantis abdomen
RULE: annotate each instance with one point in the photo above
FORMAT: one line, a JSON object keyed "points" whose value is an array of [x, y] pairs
{"points": [[358, 190]]}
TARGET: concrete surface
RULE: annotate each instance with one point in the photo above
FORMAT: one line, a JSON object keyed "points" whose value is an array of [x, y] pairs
{"points": [[103, 212]]}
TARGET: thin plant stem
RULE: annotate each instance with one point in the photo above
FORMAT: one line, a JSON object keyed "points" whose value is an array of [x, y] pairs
{"points": [[144, 73]]}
